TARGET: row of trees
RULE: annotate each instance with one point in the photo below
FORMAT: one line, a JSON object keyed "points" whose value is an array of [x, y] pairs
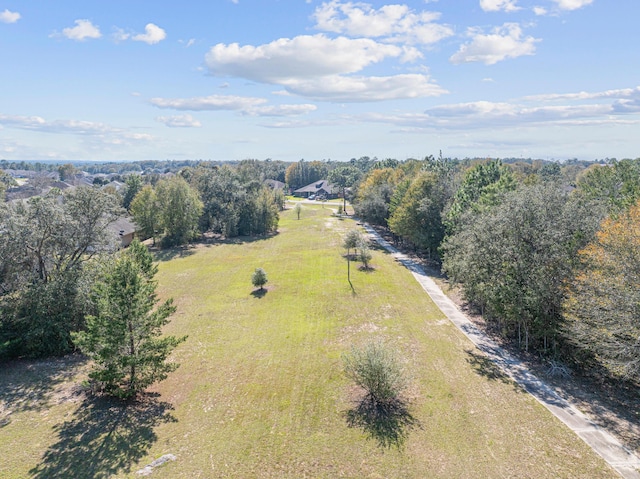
{"points": [[226, 200], [528, 243]]}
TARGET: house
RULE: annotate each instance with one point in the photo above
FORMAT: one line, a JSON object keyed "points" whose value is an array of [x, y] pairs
{"points": [[317, 188], [125, 228], [274, 184]]}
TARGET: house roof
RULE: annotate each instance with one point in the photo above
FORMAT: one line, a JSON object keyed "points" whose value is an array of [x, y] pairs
{"points": [[275, 184], [123, 226], [316, 187]]}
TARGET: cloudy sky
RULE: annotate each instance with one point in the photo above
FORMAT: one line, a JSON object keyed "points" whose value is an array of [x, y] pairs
{"points": [[292, 79]]}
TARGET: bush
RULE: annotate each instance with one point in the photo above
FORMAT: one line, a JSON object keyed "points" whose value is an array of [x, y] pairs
{"points": [[376, 369], [365, 253], [259, 278]]}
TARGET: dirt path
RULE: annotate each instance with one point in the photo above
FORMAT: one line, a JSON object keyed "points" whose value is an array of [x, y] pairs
{"points": [[624, 461]]}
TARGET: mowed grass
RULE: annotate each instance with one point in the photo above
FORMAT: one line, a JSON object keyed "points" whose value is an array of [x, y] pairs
{"points": [[261, 393]]}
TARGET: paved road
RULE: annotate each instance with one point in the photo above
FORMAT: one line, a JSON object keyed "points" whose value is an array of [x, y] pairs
{"points": [[621, 459]]}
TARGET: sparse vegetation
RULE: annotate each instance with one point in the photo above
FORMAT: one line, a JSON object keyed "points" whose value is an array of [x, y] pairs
{"points": [[377, 370]]}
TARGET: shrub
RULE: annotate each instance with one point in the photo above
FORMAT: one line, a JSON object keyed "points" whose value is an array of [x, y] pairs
{"points": [[259, 278], [376, 369]]}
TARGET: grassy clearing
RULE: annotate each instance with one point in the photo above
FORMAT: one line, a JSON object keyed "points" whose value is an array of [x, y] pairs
{"points": [[261, 393]]}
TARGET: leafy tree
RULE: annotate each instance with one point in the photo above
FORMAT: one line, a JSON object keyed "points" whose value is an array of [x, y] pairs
{"points": [[222, 195], [123, 337], [67, 171], [303, 173], [482, 187], [180, 210], [49, 249], [418, 216], [6, 181], [373, 200], [133, 184], [365, 253], [376, 369], [297, 208], [351, 240], [617, 185], [512, 260], [258, 211], [601, 307], [146, 212], [344, 177], [259, 278]]}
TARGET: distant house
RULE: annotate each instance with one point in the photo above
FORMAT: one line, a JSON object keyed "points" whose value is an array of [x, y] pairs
{"points": [[274, 184], [317, 188], [125, 228], [115, 185]]}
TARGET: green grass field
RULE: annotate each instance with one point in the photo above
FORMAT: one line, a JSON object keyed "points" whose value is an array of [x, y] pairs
{"points": [[261, 393]]}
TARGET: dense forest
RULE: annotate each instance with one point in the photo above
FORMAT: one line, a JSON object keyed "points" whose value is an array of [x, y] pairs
{"points": [[548, 252]]}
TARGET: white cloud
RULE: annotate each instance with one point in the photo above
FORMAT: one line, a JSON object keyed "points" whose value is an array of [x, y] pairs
{"points": [[503, 43], [282, 110], [349, 89], [213, 102], [9, 17], [119, 35], [101, 131], [320, 68], [499, 5], [395, 23], [300, 57], [621, 93], [153, 34], [245, 105], [611, 107], [572, 4], [84, 29], [179, 121], [540, 11]]}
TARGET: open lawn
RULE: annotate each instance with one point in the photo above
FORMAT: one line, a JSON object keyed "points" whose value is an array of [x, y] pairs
{"points": [[261, 393]]}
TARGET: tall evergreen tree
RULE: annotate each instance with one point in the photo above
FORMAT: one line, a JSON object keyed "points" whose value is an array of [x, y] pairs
{"points": [[123, 337]]}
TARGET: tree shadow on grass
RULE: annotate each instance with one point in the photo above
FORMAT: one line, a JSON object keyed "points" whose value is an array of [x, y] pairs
{"points": [[174, 252], [259, 293], [484, 366], [31, 385], [388, 424], [104, 437]]}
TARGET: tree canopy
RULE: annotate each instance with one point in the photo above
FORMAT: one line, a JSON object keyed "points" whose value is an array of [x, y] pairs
{"points": [[602, 301]]}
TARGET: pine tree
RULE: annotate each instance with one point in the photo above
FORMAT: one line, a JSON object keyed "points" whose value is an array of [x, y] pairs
{"points": [[123, 338]]}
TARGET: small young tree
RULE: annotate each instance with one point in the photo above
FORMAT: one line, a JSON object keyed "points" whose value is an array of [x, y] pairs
{"points": [[297, 208], [123, 337], [365, 252], [259, 278], [376, 369], [351, 241]]}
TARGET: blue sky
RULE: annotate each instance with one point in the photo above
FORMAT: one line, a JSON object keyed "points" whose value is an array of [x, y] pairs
{"points": [[292, 79]]}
